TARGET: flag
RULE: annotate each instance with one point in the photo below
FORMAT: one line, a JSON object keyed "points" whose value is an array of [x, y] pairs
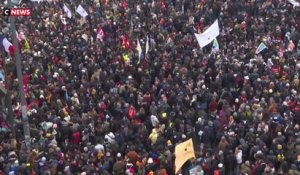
{"points": [[199, 27], [8, 47], [291, 46], [2, 77], [100, 34], [39, 0], [125, 42], [81, 11], [26, 47], [124, 4], [85, 37], [260, 48], [147, 45], [25, 84], [215, 47], [208, 35], [33, 172], [163, 5], [281, 50], [295, 3], [139, 49], [63, 19], [183, 152], [67, 11], [18, 37]]}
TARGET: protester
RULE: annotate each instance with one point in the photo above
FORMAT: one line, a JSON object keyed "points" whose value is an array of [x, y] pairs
{"points": [[97, 105]]}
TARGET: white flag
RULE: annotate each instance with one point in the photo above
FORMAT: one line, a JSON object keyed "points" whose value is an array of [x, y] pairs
{"points": [[209, 35], [67, 11], [85, 37], [39, 0], [147, 45], [81, 11], [295, 3], [139, 49], [63, 19]]}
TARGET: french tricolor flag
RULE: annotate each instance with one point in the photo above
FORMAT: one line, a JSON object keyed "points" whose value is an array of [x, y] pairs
{"points": [[8, 47]]}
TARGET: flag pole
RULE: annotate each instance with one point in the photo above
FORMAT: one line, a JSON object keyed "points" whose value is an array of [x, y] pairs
{"points": [[8, 101], [25, 121]]}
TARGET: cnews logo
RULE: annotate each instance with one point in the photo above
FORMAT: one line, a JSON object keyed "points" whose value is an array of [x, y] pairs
{"points": [[17, 12]]}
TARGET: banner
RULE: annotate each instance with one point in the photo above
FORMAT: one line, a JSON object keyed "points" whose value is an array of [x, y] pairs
{"points": [[260, 48], [81, 11], [183, 152], [209, 35]]}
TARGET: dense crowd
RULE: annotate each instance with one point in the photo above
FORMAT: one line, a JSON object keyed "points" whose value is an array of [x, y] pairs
{"points": [[92, 112]]}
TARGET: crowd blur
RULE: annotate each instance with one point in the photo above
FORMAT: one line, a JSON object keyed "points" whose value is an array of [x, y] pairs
{"points": [[92, 112]]}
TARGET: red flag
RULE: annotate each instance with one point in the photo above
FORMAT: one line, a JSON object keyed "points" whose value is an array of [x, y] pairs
{"points": [[199, 27], [281, 50], [26, 78], [100, 34], [11, 50], [33, 172], [125, 43], [163, 5], [18, 36], [124, 4]]}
